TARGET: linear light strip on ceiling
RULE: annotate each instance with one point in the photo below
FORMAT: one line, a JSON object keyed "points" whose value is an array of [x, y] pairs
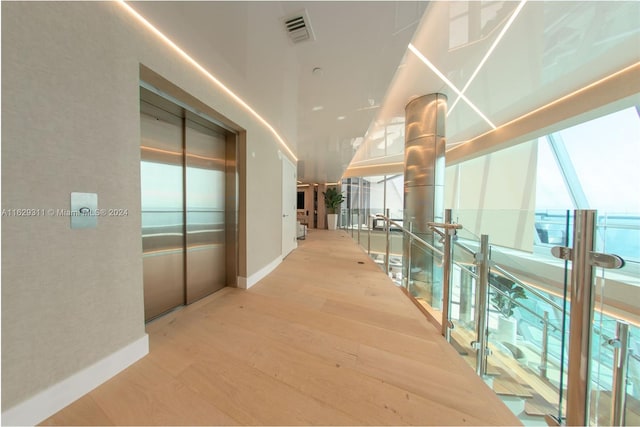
{"points": [[512, 18], [204, 71], [433, 68]]}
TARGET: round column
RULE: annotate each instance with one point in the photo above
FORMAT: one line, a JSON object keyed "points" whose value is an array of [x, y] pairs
{"points": [[424, 163]]}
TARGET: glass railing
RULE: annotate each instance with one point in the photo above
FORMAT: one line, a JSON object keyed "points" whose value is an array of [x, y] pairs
{"points": [[422, 275], [464, 282], [616, 327], [523, 350]]}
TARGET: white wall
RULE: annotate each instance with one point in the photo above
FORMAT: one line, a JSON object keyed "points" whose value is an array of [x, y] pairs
{"points": [[70, 122]]}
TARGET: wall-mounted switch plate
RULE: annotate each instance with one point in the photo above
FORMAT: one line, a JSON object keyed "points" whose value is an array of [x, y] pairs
{"points": [[84, 210]]}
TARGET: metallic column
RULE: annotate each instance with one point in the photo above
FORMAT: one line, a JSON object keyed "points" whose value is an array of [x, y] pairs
{"points": [[359, 211], [424, 165], [387, 227], [466, 300], [446, 278], [621, 364], [482, 305], [544, 353], [581, 318]]}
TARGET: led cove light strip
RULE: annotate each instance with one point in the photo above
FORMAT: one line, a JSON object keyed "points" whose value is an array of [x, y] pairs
{"points": [[433, 68], [489, 52], [630, 69], [204, 71]]}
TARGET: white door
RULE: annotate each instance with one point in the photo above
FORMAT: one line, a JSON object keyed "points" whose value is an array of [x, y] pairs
{"points": [[289, 201]]}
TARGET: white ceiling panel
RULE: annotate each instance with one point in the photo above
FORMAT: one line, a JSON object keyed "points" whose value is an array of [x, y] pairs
{"points": [[367, 75]]}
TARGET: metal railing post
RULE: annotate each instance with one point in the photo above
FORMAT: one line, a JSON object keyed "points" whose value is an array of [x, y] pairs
{"points": [[359, 224], [347, 213], [620, 365], [351, 221], [359, 207], [369, 226], [387, 227], [544, 353], [446, 278], [466, 303], [446, 231], [346, 220], [583, 260], [581, 320], [408, 270], [482, 297]]}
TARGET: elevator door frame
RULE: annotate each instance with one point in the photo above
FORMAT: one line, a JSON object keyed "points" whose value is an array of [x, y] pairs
{"points": [[152, 96]]}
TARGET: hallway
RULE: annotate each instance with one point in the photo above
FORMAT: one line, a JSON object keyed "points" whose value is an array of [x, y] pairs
{"points": [[326, 339]]}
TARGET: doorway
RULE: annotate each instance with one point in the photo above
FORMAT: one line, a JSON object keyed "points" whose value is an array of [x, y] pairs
{"points": [[289, 206], [187, 170]]}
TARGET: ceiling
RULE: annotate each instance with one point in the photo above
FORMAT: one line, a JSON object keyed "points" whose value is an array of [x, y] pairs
{"points": [[352, 109]]}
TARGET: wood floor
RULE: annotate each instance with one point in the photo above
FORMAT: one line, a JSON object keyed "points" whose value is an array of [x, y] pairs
{"points": [[326, 339]]}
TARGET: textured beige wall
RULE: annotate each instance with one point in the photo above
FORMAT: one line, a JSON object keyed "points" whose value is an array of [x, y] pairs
{"points": [[70, 122]]}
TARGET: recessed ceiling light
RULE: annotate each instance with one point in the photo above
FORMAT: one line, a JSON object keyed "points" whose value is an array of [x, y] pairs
{"points": [[341, 117], [317, 71], [317, 108]]}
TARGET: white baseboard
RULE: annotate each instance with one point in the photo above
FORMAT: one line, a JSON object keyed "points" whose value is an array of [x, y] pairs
{"points": [[247, 282], [46, 403]]}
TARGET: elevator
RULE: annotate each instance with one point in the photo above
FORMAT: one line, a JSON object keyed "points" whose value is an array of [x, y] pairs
{"points": [[188, 188]]}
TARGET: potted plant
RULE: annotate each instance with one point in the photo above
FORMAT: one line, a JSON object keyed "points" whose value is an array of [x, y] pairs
{"points": [[332, 200], [505, 302]]}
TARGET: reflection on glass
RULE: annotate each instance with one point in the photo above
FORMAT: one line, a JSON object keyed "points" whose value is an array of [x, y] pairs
{"points": [[528, 316], [161, 186], [205, 185]]}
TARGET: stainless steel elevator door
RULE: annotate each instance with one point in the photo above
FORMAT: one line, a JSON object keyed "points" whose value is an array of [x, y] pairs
{"points": [[205, 205], [162, 203]]}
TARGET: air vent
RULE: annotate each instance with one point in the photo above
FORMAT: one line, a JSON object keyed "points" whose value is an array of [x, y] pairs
{"points": [[298, 27]]}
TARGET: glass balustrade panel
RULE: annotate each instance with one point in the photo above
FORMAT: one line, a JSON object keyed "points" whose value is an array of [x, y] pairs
{"points": [[423, 268], [527, 317], [632, 409], [616, 304], [463, 293]]}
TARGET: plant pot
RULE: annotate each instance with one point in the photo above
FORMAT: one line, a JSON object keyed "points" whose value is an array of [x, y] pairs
{"points": [[332, 221]]}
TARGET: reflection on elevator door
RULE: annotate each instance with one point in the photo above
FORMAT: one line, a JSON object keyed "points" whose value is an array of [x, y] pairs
{"points": [[182, 173], [162, 202], [205, 191]]}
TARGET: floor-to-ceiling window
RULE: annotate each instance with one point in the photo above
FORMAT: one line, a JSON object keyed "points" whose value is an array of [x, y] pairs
{"points": [[593, 166]]}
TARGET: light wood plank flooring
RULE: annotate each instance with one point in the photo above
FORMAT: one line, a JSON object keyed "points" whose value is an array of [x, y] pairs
{"points": [[326, 339]]}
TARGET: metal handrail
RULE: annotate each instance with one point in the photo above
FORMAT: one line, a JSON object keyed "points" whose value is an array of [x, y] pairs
{"points": [[439, 252], [581, 256], [510, 276], [521, 305], [464, 266], [417, 238], [467, 249], [482, 300], [526, 286]]}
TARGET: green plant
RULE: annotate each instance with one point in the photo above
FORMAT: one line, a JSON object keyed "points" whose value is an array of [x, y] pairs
{"points": [[332, 199], [505, 300]]}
